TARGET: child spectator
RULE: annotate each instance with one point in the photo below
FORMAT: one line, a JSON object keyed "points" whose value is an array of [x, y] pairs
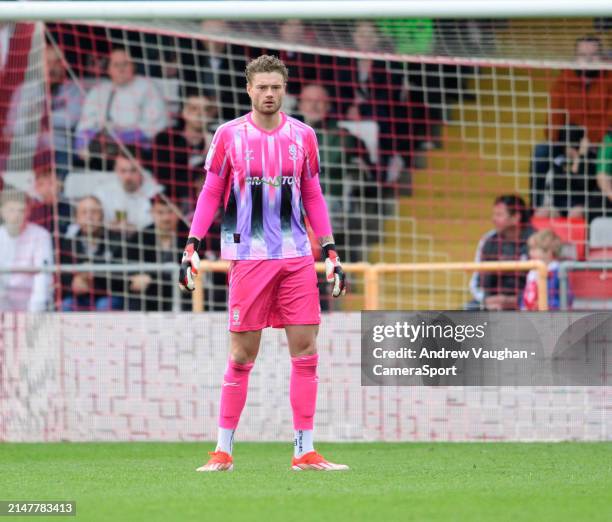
{"points": [[545, 246]]}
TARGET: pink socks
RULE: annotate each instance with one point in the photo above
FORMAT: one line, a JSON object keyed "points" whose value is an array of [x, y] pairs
{"points": [[303, 390], [234, 393], [302, 394]]}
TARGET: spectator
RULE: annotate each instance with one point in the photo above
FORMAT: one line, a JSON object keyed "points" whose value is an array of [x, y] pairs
{"points": [[126, 107], [343, 160], [23, 245], [126, 197], [49, 208], [425, 89], [545, 246], [88, 241], [604, 169], [304, 68], [218, 68], [508, 243], [179, 153], [465, 37], [161, 242], [579, 98], [574, 189], [66, 102], [372, 92], [477, 302], [409, 36]]}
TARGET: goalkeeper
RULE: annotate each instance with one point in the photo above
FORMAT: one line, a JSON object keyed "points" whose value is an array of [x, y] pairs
{"points": [[264, 167]]}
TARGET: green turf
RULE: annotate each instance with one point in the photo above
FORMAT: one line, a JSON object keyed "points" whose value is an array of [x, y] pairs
{"points": [[156, 482]]}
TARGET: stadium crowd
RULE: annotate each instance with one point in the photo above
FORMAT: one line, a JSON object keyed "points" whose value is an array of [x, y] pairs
{"points": [[129, 126]]}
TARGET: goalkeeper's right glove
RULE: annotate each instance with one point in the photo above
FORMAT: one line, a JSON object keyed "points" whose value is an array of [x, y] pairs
{"points": [[190, 265]]}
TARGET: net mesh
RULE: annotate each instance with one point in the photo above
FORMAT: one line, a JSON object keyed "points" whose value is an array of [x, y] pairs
{"points": [[422, 124]]}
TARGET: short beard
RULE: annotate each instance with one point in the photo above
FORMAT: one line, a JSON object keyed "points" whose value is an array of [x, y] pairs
{"points": [[264, 110]]}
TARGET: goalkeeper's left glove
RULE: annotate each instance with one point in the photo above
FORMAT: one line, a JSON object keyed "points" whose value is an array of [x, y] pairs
{"points": [[189, 265], [333, 270]]}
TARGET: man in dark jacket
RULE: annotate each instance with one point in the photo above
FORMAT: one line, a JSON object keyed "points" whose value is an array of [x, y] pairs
{"points": [[88, 241], [161, 242], [507, 243]]}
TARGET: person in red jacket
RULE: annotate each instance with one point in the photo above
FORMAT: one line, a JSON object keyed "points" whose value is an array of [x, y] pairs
{"points": [[579, 98]]}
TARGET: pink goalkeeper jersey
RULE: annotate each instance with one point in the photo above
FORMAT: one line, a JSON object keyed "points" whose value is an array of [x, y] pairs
{"points": [[263, 170]]}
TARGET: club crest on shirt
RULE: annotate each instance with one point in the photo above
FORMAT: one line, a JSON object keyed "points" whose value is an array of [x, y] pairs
{"points": [[249, 155], [293, 152]]}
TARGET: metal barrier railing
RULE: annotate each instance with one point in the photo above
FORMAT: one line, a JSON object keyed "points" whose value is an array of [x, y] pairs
{"points": [[372, 273]]}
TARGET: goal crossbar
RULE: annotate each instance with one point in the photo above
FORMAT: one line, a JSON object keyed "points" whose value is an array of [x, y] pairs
{"points": [[316, 9]]}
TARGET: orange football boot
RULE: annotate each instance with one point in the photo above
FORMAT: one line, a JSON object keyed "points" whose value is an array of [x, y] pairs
{"points": [[314, 461], [219, 461]]}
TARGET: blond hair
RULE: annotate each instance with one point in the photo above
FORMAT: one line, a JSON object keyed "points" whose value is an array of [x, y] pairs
{"points": [[9, 195], [266, 64], [547, 241]]}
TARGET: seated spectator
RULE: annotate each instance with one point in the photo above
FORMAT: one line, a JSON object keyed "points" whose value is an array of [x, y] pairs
{"points": [[579, 98], [88, 241], [604, 170], [66, 101], [425, 90], [161, 242], [509, 243], [126, 107], [49, 208], [179, 153], [370, 91], [126, 198], [343, 160], [23, 245], [545, 246], [574, 189], [218, 68], [477, 302], [304, 68]]}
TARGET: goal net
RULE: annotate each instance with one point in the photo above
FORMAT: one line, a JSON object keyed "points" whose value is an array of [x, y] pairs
{"points": [[422, 125]]}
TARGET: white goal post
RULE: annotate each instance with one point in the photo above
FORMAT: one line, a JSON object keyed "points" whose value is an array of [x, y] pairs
{"points": [[315, 9]]}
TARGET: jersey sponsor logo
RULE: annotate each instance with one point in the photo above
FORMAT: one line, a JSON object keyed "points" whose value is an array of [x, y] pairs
{"points": [[273, 181]]}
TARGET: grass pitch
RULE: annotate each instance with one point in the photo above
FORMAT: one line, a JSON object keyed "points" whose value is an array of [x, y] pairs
{"points": [[152, 482]]}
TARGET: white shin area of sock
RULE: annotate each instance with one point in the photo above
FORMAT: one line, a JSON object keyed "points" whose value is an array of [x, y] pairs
{"points": [[302, 442], [225, 440]]}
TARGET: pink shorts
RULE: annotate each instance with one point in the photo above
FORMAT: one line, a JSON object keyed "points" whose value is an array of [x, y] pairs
{"points": [[273, 292]]}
